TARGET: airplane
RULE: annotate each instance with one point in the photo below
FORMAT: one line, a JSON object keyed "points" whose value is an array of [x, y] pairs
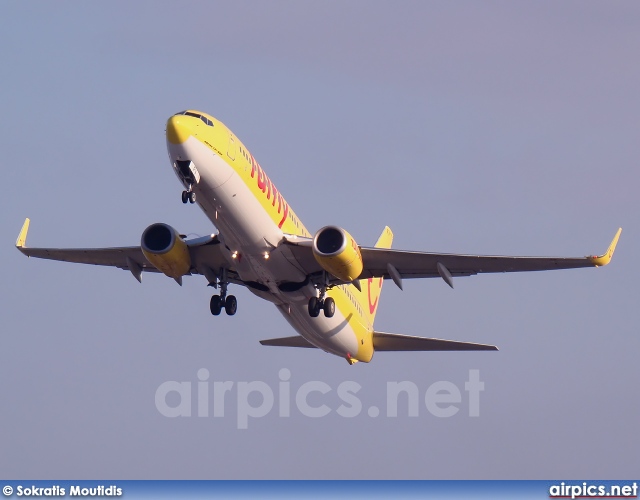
{"points": [[325, 284]]}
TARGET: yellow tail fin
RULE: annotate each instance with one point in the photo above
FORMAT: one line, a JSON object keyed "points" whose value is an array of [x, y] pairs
{"points": [[372, 287]]}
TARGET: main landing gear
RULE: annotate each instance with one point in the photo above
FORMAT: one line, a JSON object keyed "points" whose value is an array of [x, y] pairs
{"points": [[228, 302], [317, 304], [327, 305], [188, 196]]}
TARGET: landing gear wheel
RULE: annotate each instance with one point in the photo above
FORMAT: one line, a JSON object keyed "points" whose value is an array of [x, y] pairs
{"points": [[215, 305], [192, 197], [314, 307], [329, 307], [231, 305], [185, 197]]}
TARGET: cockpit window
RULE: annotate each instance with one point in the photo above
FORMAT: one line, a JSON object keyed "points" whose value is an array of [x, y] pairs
{"points": [[196, 115]]}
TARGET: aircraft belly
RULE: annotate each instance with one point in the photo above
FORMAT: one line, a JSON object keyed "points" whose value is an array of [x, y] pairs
{"points": [[245, 227]]}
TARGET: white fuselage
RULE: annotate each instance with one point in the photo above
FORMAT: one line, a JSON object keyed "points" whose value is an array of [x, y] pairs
{"points": [[247, 231]]}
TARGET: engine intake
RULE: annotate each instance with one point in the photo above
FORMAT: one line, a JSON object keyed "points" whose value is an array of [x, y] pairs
{"points": [[166, 250], [338, 253]]}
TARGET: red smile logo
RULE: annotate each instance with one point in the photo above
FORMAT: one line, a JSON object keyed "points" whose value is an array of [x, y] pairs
{"points": [[373, 303]]}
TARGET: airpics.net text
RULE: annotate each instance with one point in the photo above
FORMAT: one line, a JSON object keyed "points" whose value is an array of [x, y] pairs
{"points": [[257, 399]]}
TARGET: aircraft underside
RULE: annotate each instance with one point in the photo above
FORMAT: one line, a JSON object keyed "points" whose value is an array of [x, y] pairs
{"points": [[251, 240]]}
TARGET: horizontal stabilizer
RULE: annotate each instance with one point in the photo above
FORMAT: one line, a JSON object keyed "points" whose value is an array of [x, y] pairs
{"points": [[295, 341], [395, 342]]}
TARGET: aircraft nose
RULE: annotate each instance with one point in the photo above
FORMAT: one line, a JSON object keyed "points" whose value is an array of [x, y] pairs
{"points": [[177, 130]]}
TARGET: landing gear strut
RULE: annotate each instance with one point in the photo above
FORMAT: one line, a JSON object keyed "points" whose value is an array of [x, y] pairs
{"points": [[228, 302]]}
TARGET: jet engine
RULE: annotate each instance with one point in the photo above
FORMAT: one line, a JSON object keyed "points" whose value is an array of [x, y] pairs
{"points": [[338, 253], [166, 250]]}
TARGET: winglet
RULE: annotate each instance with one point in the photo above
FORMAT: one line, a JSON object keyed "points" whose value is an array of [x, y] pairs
{"points": [[604, 259], [22, 237]]}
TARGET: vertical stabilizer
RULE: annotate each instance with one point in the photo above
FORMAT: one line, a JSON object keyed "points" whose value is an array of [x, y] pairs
{"points": [[371, 288]]}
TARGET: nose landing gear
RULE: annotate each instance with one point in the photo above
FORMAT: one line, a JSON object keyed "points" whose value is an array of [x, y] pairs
{"points": [[188, 173]]}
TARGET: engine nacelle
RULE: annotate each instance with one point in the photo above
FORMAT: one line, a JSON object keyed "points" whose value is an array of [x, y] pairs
{"points": [[338, 253], [166, 250]]}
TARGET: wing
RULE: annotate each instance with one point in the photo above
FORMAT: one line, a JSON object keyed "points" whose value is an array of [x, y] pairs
{"points": [[395, 342], [205, 256], [399, 264]]}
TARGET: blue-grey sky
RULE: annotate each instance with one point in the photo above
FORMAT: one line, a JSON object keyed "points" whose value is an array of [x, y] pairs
{"points": [[493, 127]]}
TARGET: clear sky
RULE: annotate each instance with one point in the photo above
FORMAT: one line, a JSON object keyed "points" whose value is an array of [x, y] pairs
{"points": [[493, 127]]}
